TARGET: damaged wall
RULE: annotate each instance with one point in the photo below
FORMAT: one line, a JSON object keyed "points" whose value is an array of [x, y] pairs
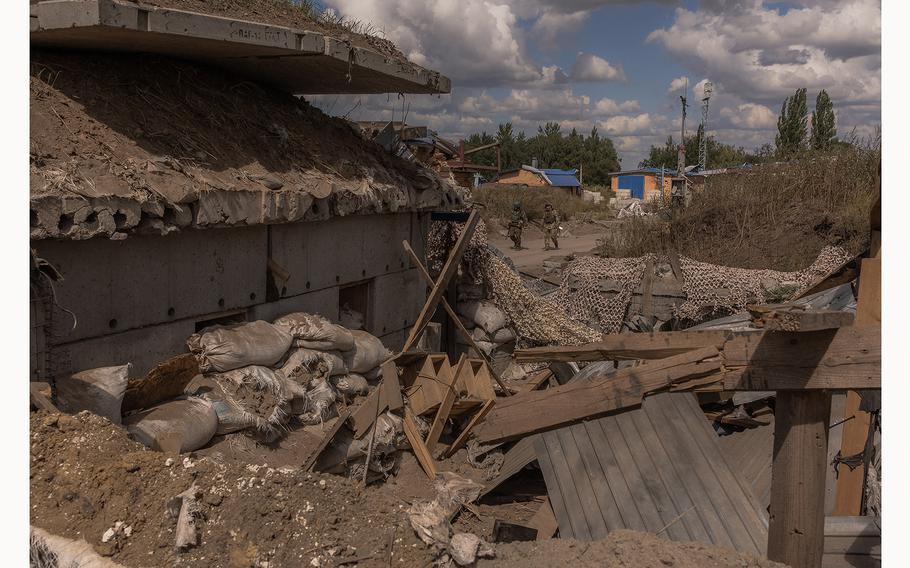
{"points": [[137, 300]]}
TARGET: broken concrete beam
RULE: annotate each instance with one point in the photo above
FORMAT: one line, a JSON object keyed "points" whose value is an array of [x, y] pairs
{"points": [[298, 61]]}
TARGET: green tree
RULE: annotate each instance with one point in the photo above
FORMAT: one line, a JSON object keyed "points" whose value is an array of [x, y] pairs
{"points": [[824, 127], [792, 125]]}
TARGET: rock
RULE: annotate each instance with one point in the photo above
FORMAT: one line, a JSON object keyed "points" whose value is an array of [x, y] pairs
{"points": [[169, 462], [213, 499]]}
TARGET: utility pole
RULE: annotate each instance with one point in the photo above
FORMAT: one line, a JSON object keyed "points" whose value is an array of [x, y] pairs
{"points": [[703, 143], [681, 155]]}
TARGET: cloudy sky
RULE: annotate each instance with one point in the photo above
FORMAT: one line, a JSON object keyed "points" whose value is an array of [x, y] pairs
{"points": [[621, 65]]}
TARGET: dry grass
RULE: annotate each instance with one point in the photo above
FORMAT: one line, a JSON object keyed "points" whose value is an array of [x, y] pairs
{"points": [[776, 216], [497, 200]]}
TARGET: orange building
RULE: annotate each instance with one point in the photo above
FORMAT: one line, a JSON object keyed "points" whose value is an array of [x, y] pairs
{"points": [[644, 183]]}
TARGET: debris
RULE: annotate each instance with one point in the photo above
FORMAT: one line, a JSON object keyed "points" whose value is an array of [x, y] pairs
{"points": [[505, 531], [50, 551], [465, 548], [185, 508], [420, 450], [99, 391], [165, 382], [633, 209], [431, 519], [797, 317]]}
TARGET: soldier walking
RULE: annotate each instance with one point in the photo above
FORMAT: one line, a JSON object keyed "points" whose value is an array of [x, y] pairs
{"points": [[517, 224], [550, 227]]}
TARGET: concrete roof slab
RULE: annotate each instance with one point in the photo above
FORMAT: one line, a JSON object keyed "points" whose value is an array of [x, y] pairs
{"points": [[295, 60]]}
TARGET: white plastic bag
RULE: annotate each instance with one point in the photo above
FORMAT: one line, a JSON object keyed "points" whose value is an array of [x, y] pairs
{"points": [[176, 426], [225, 348], [99, 391], [368, 353], [313, 331]]}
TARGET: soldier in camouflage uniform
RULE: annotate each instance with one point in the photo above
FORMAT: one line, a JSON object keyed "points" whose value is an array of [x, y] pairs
{"points": [[517, 224], [550, 227]]}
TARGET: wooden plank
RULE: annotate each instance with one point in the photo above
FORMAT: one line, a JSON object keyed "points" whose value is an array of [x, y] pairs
{"points": [[544, 520], [537, 380], [796, 528], [528, 413], [475, 420], [835, 437], [515, 460], [454, 319], [425, 393], [849, 357], [387, 395], [39, 398], [448, 399], [165, 382], [655, 345], [420, 450], [612, 469], [327, 439], [448, 271], [836, 276], [852, 526], [850, 483], [797, 317], [675, 266], [865, 545]]}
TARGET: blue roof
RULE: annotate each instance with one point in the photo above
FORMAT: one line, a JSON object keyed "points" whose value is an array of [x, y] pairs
{"points": [[562, 178], [639, 171]]}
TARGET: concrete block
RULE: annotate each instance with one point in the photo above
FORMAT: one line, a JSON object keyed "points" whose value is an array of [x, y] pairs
{"points": [[323, 302]]}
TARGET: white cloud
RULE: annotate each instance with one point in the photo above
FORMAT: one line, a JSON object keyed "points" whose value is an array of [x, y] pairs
{"points": [[677, 85], [589, 67], [551, 25], [750, 116], [609, 106], [643, 123]]}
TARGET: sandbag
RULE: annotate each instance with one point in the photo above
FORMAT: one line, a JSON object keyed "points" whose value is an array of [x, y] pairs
{"points": [[350, 318], [302, 364], [503, 335], [51, 551], [178, 426], [225, 348], [484, 314], [99, 391], [313, 331], [351, 384], [320, 402], [480, 334], [257, 397], [368, 353]]}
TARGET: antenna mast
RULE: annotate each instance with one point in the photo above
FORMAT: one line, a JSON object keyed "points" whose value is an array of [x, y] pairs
{"points": [[703, 145], [681, 154]]}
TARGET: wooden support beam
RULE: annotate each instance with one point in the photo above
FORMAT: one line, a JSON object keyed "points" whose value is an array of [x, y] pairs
{"points": [[655, 345], [386, 395], [538, 411], [796, 529], [327, 439], [448, 271], [796, 317], [448, 398], [538, 380], [475, 420], [424, 458], [453, 317], [850, 482]]}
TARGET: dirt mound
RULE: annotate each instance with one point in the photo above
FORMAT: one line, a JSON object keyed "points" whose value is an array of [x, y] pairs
{"points": [[621, 548], [86, 475]]}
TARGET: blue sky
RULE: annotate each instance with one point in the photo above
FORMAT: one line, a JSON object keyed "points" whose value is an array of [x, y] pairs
{"points": [[620, 65]]}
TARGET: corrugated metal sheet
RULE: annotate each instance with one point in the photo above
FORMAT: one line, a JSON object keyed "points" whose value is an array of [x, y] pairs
{"points": [[562, 178], [634, 183], [658, 469]]}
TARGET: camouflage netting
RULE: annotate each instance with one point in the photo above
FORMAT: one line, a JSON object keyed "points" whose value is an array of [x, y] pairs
{"points": [[596, 292], [712, 289], [535, 320]]}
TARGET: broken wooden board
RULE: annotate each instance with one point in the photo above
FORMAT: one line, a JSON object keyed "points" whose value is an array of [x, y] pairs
{"points": [[448, 271], [385, 396], [165, 382], [797, 317], [424, 380], [544, 521], [655, 345], [424, 458], [537, 380], [327, 439], [538, 411], [475, 420], [846, 358], [445, 407], [657, 468], [40, 396], [453, 317]]}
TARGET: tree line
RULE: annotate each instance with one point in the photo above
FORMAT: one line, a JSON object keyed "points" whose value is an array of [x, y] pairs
{"points": [[593, 154], [797, 133]]}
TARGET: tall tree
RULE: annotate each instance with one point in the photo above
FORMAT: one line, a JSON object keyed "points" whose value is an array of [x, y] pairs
{"points": [[824, 128], [792, 124]]}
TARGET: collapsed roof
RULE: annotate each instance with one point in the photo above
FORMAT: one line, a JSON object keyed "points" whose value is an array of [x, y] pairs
{"points": [[121, 144]]}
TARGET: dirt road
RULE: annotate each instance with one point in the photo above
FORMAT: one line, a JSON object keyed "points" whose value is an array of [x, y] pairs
{"points": [[530, 258]]}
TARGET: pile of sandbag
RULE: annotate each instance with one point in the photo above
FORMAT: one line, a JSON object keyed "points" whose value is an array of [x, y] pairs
{"points": [[488, 325], [258, 375]]}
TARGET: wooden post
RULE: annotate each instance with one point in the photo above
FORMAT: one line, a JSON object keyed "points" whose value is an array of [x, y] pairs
{"points": [[796, 529]]}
